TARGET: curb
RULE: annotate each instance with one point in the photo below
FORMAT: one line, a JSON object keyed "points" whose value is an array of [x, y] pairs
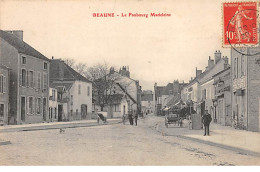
{"points": [[231, 148], [58, 126]]}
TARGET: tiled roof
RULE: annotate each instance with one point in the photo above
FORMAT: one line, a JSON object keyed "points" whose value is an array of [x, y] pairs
{"points": [[69, 74], [21, 46]]}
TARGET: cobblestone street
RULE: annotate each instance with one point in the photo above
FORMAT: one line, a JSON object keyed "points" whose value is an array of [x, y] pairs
{"points": [[116, 144]]}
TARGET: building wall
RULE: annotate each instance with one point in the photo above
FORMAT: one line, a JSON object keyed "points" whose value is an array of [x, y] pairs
{"points": [[35, 65], [210, 95], [53, 104], [82, 98], [253, 92], [4, 96], [9, 57], [148, 105]]}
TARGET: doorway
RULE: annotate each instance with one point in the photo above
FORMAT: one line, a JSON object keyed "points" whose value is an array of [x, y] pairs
{"points": [[44, 109], [23, 103], [84, 111], [60, 111]]}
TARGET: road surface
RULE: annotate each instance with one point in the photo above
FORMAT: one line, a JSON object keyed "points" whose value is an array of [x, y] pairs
{"points": [[116, 144]]}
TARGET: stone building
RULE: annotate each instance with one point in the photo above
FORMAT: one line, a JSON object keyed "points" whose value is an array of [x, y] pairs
{"points": [[29, 79], [4, 94], [147, 101], [245, 81]]}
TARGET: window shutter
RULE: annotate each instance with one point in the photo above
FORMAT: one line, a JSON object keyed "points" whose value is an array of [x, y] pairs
{"points": [[27, 78], [27, 109], [21, 79], [4, 84]]}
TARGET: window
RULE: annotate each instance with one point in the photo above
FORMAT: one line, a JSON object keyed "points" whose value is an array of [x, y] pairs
{"points": [[30, 78], [38, 106], [23, 60], [53, 94], [2, 110], [23, 77], [117, 109], [30, 105], [2, 84], [79, 89], [45, 80], [39, 80], [88, 91], [71, 99], [45, 65]]}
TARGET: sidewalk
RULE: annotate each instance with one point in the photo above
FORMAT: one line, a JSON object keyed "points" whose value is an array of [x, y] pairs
{"points": [[55, 125], [226, 137]]}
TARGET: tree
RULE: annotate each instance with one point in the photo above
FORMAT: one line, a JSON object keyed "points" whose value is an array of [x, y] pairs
{"points": [[104, 79], [70, 62]]}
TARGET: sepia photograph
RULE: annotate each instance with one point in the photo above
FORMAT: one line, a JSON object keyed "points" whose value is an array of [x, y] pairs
{"points": [[129, 83]]}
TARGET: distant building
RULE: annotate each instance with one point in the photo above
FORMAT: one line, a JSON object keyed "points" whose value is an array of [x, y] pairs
{"points": [[29, 79], [245, 80], [147, 101], [166, 96], [123, 88], [73, 90], [4, 94]]}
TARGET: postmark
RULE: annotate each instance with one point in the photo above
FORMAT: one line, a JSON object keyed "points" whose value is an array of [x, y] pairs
{"points": [[240, 26]]}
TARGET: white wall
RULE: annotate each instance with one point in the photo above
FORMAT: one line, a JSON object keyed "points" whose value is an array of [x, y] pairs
{"points": [[83, 97]]}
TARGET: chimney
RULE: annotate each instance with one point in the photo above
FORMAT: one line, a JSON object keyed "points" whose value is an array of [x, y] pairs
{"points": [[210, 63], [225, 62], [17, 33], [217, 56], [198, 72]]}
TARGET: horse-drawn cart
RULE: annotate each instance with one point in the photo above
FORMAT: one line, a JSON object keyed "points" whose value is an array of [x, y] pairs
{"points": [[172, 118]]}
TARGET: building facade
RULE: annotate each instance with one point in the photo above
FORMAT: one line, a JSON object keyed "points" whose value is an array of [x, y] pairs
{"points": [[147, 102], [74, 92], [222, 101], [29, 79], [4, 94], [245, 81], [53, 104]]}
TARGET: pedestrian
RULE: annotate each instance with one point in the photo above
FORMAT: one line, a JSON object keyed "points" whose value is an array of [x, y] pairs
{"points": [[206, 119], [136, 117], [130, 117]]}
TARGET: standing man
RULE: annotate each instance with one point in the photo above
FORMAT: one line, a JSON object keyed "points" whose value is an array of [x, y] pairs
{"points": [[130, 117], [136, 117], [206, 119]]}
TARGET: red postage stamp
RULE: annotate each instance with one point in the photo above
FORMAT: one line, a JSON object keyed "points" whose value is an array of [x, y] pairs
{"points": [[240, 24]]}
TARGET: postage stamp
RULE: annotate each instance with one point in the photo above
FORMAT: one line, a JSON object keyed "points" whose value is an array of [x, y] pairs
{"points": [[240, 22]]}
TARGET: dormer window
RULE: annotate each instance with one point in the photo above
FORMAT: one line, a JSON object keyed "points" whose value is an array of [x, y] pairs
{"points": [[45, 65], [23, 60]]}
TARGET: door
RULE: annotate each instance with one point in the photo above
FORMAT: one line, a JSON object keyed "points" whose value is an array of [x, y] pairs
{"points": [[44, 109], [84, 110], [60, 111], [23, 103]]}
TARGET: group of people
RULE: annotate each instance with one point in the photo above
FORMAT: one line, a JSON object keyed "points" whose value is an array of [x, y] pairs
{"points": [[133, 116]]}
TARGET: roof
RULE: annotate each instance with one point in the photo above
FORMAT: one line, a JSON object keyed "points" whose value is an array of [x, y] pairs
{"points": [[221, 72], [69, 74], [122, 88], [115, 98], [147, 97], [61, 84], [21, 46]]}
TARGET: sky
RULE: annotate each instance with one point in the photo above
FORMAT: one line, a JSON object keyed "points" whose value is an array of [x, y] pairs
{"points": [[156, 49]]}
